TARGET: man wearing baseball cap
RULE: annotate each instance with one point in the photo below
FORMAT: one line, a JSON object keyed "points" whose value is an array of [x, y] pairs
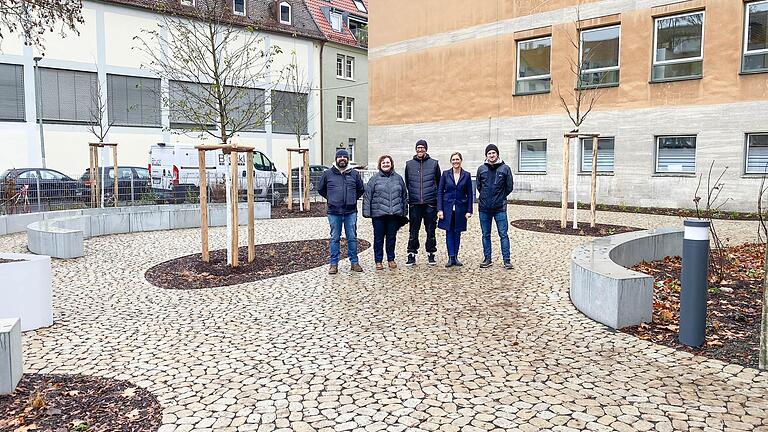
{"points": [[342, 186], [494, 183], [422, 175]]}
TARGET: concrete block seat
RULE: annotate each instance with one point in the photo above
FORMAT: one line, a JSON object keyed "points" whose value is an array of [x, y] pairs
{"points": [[61, 234], [605, 290], [25, 290]]}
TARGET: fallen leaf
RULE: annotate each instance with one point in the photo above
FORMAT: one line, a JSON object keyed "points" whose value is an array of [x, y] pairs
{"points": [[129, 392]]}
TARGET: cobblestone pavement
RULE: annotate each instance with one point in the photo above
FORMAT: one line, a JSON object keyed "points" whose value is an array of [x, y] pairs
{"points": [[411, 349]]}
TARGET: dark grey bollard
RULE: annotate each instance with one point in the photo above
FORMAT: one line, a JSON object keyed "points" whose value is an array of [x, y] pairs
{"points": [[693, 297]]}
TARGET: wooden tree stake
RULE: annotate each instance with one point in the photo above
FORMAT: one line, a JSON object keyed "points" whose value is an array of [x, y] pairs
{"points": [[290, 182], [566, 169], [306, 181], [234, 206], [114, 167], [251, 228], [203, 204], [593, 191]]}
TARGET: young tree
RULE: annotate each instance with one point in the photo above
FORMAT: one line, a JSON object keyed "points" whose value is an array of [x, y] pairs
{"points": [[33, 18], [97, 124], [763, 215]]}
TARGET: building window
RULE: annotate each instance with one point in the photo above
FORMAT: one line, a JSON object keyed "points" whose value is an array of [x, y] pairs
{"points": [[679, 42], [604, 154], [248, 112], [599, 53], [336, 22], [133, 101], [187, 105], [757, 153], [345, 108], [68, 96], [532, 156], [533, 66], [11, 92], [285, 13], [239, 7], [345, 67], [289, 112], [351, 147], [360, 6], [756, 38], [676, 154]]}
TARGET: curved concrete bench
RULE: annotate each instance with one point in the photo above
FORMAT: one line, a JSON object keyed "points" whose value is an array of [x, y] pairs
{"points": [[604, 289], [61, 234]]}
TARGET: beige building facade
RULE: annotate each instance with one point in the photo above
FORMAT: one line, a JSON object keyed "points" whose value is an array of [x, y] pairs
{"points": [[679, 85]]}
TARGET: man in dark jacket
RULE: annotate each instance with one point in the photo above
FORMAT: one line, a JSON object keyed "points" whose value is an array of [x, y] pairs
{"points": [[342, 186], [422, 175], [494, 183]]}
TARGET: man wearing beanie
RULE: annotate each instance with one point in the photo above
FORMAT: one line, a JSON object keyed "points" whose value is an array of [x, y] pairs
{"points": [[422, 175], [494, 183], [342, 186]]}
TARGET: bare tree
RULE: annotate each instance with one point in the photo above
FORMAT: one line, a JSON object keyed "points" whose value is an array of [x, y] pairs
{"points": [[97, 124], [218, 72], [293, 103], [33, 18], [762, 215], [712, 205]]}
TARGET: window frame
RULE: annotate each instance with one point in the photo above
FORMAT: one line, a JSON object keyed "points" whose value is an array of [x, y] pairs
{"points": [[744, 51], [520, 143], [358, 4], [110, 107], [22, 99], [345, 59], [597, 70], [92, 91], [583, 142], [700, 57], [537, 77], [280, 13], [347, 109], [341, 21], [234, 8], [746, 152], [657, 139]]}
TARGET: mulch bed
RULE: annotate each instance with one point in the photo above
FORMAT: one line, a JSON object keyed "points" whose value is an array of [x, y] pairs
{"points": [[5, 260], [70, 403], [734, 306], [315, 210], [684, 213], [553, 227], [272, 259]]}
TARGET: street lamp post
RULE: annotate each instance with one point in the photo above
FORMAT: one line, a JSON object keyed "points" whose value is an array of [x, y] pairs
{"points": [[39, 103]]}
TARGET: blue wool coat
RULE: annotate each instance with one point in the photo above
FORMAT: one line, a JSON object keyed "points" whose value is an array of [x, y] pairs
{"points": [[452, 195]]}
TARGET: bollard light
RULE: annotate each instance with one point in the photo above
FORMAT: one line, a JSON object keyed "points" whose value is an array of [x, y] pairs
{"points": [[693, 296]]}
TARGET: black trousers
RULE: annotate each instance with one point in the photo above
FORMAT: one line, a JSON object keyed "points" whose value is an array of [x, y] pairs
{"points": [[416, 214]]}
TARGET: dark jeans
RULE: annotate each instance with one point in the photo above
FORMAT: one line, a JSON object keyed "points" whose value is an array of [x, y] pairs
{"points": [[417, 213], [384, 228], [502, 225], [349, 223], [453, 238]]}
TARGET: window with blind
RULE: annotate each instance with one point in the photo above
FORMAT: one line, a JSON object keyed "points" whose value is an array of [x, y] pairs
{"points": [[68, 96], [756, 38], [604, 154], [248, 108], [133, 101], [679, 42], [187, 109], [532, 156], [289, 110], [676, 154], [11, 92], [757, 153]]}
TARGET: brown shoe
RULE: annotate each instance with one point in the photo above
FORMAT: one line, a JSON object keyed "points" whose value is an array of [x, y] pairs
{"points": [[379, 266], [333, 269], [356, 268], [392, 265]]}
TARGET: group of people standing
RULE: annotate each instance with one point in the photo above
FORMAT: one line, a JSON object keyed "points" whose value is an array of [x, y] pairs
{"points": [[427, 195]]}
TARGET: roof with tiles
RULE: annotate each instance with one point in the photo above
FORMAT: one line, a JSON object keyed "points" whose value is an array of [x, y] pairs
{"points": [[318, 10], [258, 15]]}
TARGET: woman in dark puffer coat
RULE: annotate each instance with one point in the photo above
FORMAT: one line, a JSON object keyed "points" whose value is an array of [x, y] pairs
{"points": [[386, 202]]}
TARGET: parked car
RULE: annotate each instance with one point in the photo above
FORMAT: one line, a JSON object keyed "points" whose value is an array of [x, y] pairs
{"points": [[133, 183], [36, 185], [315, 173]]}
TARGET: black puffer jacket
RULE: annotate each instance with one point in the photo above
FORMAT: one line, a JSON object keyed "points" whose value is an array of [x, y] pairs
{"points": [[385, 195], [342, 189], [494, 183], [422, 177]]}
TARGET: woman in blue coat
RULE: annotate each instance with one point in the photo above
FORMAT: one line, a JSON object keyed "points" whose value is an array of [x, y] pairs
{"points": [[454, 206]]}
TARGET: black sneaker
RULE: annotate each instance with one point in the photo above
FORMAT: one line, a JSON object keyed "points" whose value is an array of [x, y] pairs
{"points": [[411, 260], [508, 265], [431, 259], [457, 263], [486, 263]]}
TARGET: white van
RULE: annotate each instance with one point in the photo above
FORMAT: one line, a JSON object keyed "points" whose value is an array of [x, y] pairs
{"points": [[174, 168]]}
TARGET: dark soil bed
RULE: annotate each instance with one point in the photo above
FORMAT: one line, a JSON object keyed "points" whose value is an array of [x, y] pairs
{"points": [[78, 403], [553, 227], [733, 308], [272, 259], [684, 213], [315, 210], [5, 260]]}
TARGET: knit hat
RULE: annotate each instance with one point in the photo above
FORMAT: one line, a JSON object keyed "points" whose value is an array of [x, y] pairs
{"points": [[490, 147], [342, 153], [421, 142]]}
